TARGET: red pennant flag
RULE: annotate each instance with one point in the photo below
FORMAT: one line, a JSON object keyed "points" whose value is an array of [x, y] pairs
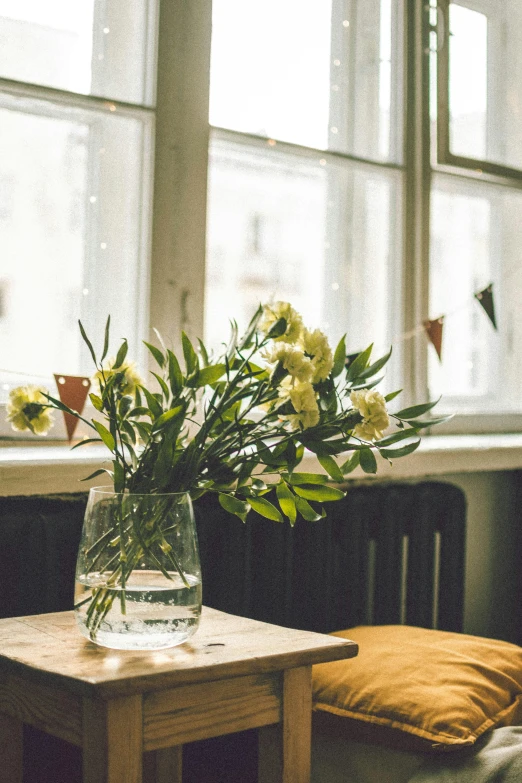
{"points": [[434, 331], [73, 390], [485, 298]]}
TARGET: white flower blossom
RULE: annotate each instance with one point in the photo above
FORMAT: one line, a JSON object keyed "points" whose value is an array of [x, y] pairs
{"points": [[27, 409], [293, 360], [315, 344], [129, 380], [303, 399], [372, 407], [273, 312]]}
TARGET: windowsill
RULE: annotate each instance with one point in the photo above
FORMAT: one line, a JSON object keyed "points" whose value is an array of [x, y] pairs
{"points": [[28, 469]]}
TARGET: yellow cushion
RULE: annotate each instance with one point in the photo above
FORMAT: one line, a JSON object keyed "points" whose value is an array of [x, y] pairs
{"points": [[418, 688]]}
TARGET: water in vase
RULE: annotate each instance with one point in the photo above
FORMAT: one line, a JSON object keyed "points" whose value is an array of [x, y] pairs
{"points": [[156, 612]]}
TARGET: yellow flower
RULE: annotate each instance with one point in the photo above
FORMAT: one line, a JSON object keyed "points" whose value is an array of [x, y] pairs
{"points": [[302, 396], [273, 312], [27, 409], [315, 344], [127, 382], [293, 360], [372, 407]]}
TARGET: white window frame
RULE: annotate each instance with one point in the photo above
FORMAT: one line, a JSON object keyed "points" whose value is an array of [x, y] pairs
{"points": [[178, 248]]}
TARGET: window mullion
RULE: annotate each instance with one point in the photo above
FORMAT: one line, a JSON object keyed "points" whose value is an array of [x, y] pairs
{"points": [[180, 168], [417, 198]]}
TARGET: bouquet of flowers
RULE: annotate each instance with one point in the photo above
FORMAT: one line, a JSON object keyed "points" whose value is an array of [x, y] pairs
{"points": [[239, 426]]}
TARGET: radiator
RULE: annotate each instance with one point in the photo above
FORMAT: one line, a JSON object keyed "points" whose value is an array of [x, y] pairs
{"points": [[387, 553]]}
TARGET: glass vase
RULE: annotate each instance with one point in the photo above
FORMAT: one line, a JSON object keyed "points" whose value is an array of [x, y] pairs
{"points": [[138, 575]]}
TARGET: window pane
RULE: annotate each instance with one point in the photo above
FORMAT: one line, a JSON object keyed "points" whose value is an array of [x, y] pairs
{"points": [[485, 92], [323, 236], [320, 73], [98, 48], [476, 239], [72, 188]]}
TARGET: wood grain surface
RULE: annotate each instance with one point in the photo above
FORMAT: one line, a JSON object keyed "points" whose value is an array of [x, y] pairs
{"points": [[49, 649], [194, 712]]}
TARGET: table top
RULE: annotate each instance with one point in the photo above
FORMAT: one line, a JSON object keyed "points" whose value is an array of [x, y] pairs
{"points": [[50, 649]]}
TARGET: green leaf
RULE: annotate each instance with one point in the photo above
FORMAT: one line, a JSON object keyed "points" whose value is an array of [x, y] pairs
{"points": [[93, 475], [339, 357], [211, 374], [368, 461], [191, 357], [143, 430], [331, 466], [392, 395], [306, 510], [158, 356], [139, 410], [84, 442], [234, 506], [421, 423], [96, 402], [246, 340], [324, 447], [375, 367], [359, 364], [163, 385], [119, 476], [173, 413], [105, 435], [308, 478], [397, 436], [266, 509], [321, 494], [175, 375], [232, 343], [154, 406], [278, 329], [87, 342], [402, 451], [351, 463], [106, 339], [203, 353], [415, 410], [120, 356], [286, 502]]}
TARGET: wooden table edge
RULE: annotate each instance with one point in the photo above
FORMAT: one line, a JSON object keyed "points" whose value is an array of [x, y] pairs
{"points": [[107, 689]]}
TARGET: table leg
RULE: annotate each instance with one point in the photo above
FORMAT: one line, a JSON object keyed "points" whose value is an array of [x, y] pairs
{"points": [[284, 749], [163, 766], [11, 749], [112, 740]]}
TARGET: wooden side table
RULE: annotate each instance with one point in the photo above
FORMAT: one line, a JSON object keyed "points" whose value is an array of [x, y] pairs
{"points": [[131, 712]]}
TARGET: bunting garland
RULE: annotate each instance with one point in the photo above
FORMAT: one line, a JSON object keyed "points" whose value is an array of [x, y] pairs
{"points": [[72, 390], [434, 331], [485, 298]]}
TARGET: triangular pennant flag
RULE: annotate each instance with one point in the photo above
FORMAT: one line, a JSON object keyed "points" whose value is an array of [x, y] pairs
{"points": [[485, 298], [73, 390], [434, 331]]}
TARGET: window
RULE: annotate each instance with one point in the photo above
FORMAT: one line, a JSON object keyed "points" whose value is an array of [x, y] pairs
{"points": [[75, 174], [363, 160]]}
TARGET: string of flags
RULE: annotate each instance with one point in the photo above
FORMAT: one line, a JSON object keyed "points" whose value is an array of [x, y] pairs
{"points": [[73, 389], [434, 328]]}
